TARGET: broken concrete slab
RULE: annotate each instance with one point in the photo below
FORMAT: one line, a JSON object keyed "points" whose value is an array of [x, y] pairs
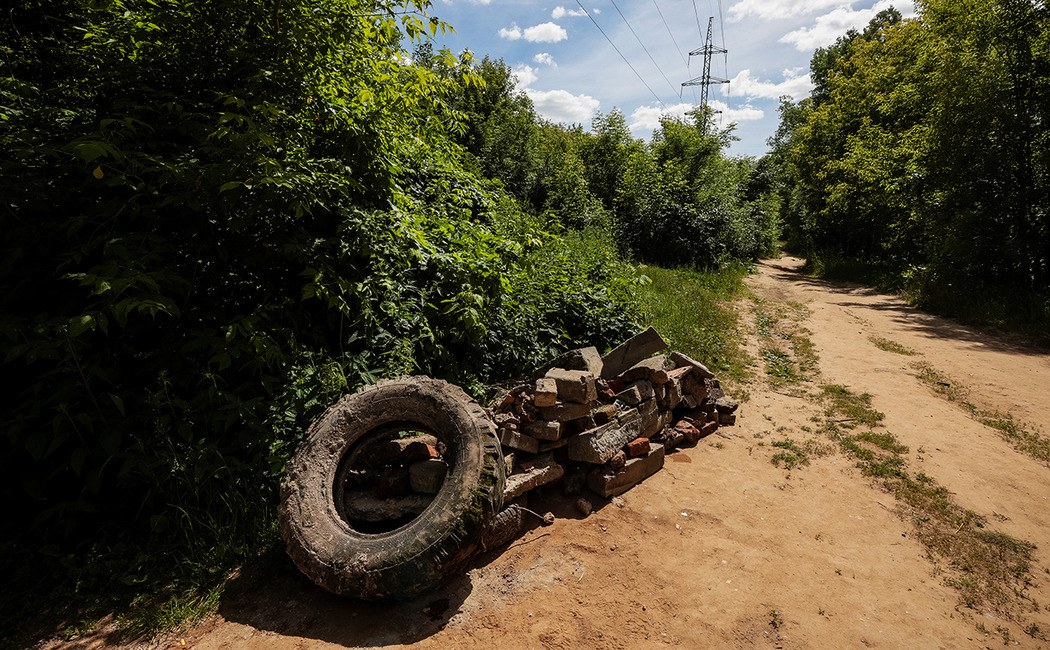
{"points": [[361, 505], [601, 443], [644, 344], [427, 477], [587, 359], [680, 360], [636, 393], [574, 385], [546, 393], [543, 470], [565, 411], [519, 441], [543, 430], [652, 369], [609, 482]]}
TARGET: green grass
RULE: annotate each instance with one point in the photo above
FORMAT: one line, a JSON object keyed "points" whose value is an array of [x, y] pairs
{"points": [[891, 346], [693, 311], [786, 350]]}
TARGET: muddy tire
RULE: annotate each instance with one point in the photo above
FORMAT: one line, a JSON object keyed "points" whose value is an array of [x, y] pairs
{"points": [[425, 551]]}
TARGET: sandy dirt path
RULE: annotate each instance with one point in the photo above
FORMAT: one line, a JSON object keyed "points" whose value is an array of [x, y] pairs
{"points": [[721, 549]]}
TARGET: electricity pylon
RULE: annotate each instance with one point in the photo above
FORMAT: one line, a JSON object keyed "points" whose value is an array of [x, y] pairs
{"points": [[705, 81]]}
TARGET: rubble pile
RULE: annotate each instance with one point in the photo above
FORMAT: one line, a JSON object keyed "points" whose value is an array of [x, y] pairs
{"points": [[607, 421]]}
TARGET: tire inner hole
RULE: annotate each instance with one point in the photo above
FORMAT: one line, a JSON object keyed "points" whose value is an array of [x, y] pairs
{"points": [[389, 476]]}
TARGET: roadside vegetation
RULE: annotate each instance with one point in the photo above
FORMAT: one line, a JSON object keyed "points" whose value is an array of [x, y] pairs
{"points": [[221, 216]]}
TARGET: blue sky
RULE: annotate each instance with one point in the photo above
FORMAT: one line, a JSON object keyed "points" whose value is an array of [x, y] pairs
{"points": [[570, 70]]}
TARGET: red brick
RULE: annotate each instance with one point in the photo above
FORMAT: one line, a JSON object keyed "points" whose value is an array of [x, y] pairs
{"points": [[638, 447], [417, 452]]}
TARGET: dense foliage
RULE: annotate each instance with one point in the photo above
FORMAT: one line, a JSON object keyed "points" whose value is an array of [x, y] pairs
{"points": [[923, 152], [218, 216]]}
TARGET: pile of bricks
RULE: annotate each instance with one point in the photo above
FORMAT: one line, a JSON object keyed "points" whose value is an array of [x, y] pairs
{"points": [[607, 421]]}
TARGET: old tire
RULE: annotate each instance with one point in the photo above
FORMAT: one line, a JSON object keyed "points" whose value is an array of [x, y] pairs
{"points": [[430, 548]]}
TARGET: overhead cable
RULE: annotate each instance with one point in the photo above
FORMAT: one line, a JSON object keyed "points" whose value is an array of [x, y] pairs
{"points": [[626, 22], [640, 78]]}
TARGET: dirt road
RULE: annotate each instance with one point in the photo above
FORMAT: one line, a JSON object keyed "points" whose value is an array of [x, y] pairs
{"points": [[724, 549]]}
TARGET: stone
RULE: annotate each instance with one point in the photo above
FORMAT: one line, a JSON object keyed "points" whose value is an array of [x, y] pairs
{"points": [[689, 401], [392, 482], [417, 451], [708, 429], [693, 385], [644, 344], [661, 394], [609, 482], [361, 505], [543, 470], [574, 385], [618, 461], [427, 477], [714, 389], [726, 405], [673, 394], [653, 369], [669, 437], [519, 441], [573, 481], [636, 393], [587, 359], [546, 393], [584, 506], [680, 360], [604, 413], [650, 417], [601, 443], [554, 446], [564, 411], [637, 447], [689, 432], [388, 452], [543, 430], [509, 458], [727, 419]]}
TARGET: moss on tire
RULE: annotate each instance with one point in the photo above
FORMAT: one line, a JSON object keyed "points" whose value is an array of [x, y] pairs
{"points": [[429, 549]]}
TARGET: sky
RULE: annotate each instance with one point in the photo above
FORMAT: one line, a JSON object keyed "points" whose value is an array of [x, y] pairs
{"points": [[570, 69]]}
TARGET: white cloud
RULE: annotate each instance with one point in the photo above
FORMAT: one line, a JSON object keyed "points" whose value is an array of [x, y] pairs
{"points": [[561, 12], [795, 85], [563, 106], [545, 33], [526, 74], [835, 23], [511, 34], [544, 58], [647, 118], [745, 113], [773, 9], [596, 11]]}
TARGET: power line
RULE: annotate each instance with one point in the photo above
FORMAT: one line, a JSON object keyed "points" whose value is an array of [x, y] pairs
{"points": [[657, 97], [684, 60], [679, 92]]}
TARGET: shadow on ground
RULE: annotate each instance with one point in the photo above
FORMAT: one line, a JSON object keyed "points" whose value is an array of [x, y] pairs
{"points": [[911, 318], [273, 596]]}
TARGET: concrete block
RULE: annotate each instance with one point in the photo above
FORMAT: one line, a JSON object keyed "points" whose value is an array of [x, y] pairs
{"points": [[519, 441], [542, 470], [727, 419], [543, 430], [642, 345], [653, 369], [680, 360], [636, 393], [586, 359], [601, 443], [609, 482], [574, 385], [546, 393], [564, 411], [427, 477]]}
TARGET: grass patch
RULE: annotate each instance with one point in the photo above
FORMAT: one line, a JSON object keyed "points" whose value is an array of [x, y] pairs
{"points": [[693, 311], [991, 570], [891, 346], [1023, 440], [786, 350], [790, 456]]}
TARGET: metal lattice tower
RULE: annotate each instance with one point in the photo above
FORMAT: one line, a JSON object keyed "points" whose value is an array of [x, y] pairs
{"points": [[706, 80]]}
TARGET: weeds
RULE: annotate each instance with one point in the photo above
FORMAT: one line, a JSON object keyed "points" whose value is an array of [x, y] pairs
{"points": [[891, 346], [786, 350], [1027, 442]]}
